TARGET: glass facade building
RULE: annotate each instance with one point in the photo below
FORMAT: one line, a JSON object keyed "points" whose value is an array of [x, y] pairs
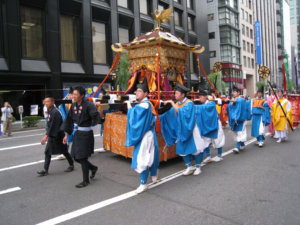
{"points": [[45, 44]]}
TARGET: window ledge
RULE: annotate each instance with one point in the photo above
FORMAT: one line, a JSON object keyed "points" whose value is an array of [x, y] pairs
{"points": [[3, 64], [101, 69], [35, 65], [71, 67]]}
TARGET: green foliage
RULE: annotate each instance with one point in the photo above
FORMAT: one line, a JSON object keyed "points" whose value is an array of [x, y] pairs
{"points": [[123, 72], [31, 121], [223, 87], [293, 85], [216, 80], [14, 119], [261, 84]]}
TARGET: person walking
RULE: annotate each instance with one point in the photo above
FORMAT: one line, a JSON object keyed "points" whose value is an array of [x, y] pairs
{"points": [[54, 138], [81, 115], [237, 116], [140, 133]]}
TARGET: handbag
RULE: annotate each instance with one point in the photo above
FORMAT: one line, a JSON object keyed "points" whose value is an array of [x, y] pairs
{"points": [[10, 116]]}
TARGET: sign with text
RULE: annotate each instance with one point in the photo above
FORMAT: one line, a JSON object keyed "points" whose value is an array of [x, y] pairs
{"points": [[258, 42]]}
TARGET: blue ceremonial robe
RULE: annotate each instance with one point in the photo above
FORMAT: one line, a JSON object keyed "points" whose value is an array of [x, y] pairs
{"points": [[64, 112], [259, 115], [237, 114], [139, 121], [180, 127], [207, 120], [248, 110]]}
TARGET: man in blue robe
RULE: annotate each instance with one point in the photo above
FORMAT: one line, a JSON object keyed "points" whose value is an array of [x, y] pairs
{"points": [[210, 126], [178, 126], [140, 133], [237, 115], [261, 117]]}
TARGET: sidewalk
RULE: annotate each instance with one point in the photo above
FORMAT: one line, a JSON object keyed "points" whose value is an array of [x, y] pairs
{"points": [[16, 126]]}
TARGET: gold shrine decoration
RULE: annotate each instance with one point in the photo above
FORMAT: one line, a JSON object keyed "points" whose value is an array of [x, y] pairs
{"points": [[217, 67], [264, 72], [162, 17]]}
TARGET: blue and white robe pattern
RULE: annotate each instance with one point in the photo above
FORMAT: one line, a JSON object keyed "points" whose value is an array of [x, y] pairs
{"points": [[181, 128], [261, 118], [237, 116], [140, 133], [209, 124]]}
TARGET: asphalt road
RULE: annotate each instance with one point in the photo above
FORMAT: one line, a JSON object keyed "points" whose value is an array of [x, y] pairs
{"points": [[257, 186]]}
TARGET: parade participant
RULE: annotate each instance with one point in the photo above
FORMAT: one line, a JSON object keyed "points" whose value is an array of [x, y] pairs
{"points": [[261, 117], [178, 126], [54, 138], [82, 114], [64, 109], [281, 124], [140, 133], [6, 118], [270, 101], [208, 121], [237, 116]]}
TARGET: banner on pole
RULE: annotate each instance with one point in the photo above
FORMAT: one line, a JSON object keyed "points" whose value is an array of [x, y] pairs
{"points": [[258, 42], [286, 68]]}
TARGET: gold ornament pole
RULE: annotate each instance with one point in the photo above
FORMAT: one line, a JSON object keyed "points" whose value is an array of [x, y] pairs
{"points": [[264, 72]]}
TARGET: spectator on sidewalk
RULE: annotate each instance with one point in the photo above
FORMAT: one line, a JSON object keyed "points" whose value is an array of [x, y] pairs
{"points": [[6, 118]]}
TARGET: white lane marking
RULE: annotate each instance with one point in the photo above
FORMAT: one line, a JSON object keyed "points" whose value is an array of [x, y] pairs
{"points": [[24, 165], [10, 190], [119, 198], [33, 144], [25, 131], [88, 209], [9, 138], [19, 146], [32, 163]]}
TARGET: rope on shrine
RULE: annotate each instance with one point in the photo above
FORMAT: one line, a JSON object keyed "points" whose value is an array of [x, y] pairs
{"points": [[116, 60]]}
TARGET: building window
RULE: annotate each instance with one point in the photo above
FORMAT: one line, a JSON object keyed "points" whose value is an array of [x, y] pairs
{"points": [[246, 15], [210, 0], [243, 29], [245, 61], [243, 14], [230, 54], [32, 32], [250, 4], [244, 45], [177, 18], [212, 54], [123, 3], [251, 33], [229, 35], [248, 47], [69, 38], [251, 48], [99, 42], [210, 16], [247, 31], [190, 4], [249, 63], [252, 62], [211, 35], [123, 35], [227, 16], [191, 23], [144, 7], [250, 19]]}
